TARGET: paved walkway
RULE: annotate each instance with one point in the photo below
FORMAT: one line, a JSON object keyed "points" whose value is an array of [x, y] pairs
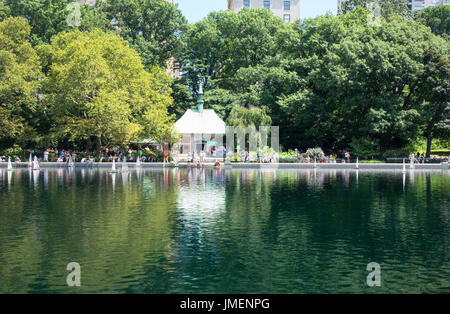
{"points": [[379, 166]]}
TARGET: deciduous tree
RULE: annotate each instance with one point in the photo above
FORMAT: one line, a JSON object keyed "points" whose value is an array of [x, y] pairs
{"points": [[19, 75], [97, 90]]}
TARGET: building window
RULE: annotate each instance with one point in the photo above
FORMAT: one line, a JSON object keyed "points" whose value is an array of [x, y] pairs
{"points": [[246, 3], [286, 18], [267, 4], [287, 5]]}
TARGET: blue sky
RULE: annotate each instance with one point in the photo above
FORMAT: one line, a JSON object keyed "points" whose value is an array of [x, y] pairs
{"points": [[195, 10]]}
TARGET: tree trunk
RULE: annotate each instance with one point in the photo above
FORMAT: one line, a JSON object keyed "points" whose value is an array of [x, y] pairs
{"points": [[99, 143], [429, 140], [89, 144]]}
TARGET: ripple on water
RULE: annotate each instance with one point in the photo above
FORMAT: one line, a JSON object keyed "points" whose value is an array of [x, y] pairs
{"points": [[227, 231]]}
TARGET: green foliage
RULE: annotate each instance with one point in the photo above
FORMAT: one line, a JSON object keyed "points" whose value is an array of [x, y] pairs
{"points": [[13, 152], [288, 154], [315, 153], [241, 116], [4, 11], [225, 42], [361, 81], [434, 91], [437, 18], [19, 75], [329, 81], [49, 17], [231, 52], [97, 91], [388, 7], [333, 81], [364, 148], [397, 153], [152, 27], [441, 152], [288, 157]]}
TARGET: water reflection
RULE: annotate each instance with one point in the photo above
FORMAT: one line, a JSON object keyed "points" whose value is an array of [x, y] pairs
{"points": [[45, 179], [224, 231]]}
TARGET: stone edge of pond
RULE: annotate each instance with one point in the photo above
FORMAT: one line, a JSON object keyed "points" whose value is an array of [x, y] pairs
{"points": [[271, 166]]}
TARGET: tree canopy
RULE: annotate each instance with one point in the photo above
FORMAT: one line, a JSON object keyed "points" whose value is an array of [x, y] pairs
{"points": [[154, 28], [387, 7], [437, 18], [98, 91], [49, 17], [19, 74], [338, 82]]}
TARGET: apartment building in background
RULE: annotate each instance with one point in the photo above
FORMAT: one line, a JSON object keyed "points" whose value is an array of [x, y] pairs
{"points": [[421, 4], [413, 4], [288, 10]]}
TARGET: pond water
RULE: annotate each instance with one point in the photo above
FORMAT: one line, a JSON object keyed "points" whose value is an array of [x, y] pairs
{"points": [[224, 231]]}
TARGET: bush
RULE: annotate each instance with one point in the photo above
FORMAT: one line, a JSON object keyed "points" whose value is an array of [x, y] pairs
{"points": [[13, 152], [288, 155], [440, 152], [364, 148], [147, 153], [396, 153], [315, 153], [289, 160]]}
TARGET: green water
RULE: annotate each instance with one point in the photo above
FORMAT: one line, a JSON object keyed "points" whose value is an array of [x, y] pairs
{"points": [[224, 231]]}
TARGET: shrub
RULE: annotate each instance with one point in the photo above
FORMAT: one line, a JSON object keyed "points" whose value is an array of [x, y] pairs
{"points": [[14, 151], [364, 148], [146, 153], [440, 152], [396, 153], [288, 155], [288, 160], [315, 153]]}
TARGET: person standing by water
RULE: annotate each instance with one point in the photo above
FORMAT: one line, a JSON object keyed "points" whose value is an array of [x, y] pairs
{"points": [[46, 155], [202, 157], [166, 157], [344, 156], [195, 157]]}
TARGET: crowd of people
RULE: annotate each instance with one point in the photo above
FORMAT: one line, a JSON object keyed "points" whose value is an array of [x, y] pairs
{"points": [[107, 155], [197, 157], [420, 158]]}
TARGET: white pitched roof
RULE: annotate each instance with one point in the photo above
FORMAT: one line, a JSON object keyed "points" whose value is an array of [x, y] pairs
{"points": [[206, 122]]}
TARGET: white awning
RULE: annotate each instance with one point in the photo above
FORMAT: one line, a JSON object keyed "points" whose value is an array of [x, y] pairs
{"points": [[206, 122]]}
